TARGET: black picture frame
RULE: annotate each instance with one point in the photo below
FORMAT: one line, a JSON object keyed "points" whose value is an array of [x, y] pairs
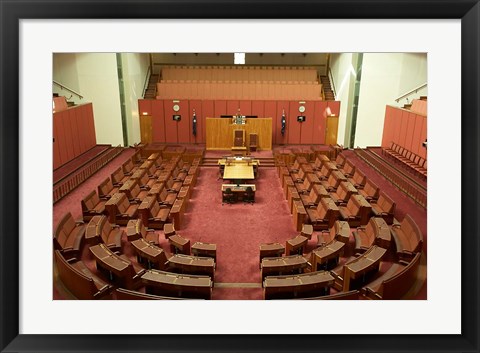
{"points": [[13, 11]]}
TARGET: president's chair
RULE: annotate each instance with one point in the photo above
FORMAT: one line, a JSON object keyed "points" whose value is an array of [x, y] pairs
{"points": [[253, 142]]}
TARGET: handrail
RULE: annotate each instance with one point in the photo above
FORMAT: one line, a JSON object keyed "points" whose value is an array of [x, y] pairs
{"points": [[332, 83], [147, 81], [415, 90], [68, 89]]}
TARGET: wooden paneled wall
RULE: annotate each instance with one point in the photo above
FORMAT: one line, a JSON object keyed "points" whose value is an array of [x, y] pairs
{"points": [[166, 130], [220, 133], [73, 133], [406, 129]]}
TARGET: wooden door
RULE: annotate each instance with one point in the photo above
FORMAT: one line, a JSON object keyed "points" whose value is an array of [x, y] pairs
{"points": [[331, 130], [146, 129]]}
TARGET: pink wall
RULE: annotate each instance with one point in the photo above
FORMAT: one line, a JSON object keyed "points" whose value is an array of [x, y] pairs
{"points": [[73, 133], [406, 129]]}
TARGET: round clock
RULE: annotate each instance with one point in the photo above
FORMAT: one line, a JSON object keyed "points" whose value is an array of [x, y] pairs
{"points": [[301, 109], [176, 108]]}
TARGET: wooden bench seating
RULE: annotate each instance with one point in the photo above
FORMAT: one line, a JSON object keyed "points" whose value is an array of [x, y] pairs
{"points": [[343, 193], [144, 181], [311, 284], [100, 230], [348, 169], [408, 237], [350, 295], [395, 282], [356, 212], [106, 189], [375, 232], [133, 191], [118, 268], [92, 206], [120, 210], [68, 236], [324, 215], [79, 280], [127, 294], [172, 185], [358, 180], [177, 285], [325, 171], [407, 158], [358, 270], [384, 207], [333, 181], [340, 161], [129, 167], [340, 231], [118, 177], [370, 191], [136, 230], [313, 198], [153, 214]]}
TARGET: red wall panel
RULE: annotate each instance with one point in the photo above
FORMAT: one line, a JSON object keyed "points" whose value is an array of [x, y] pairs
{"points": [[277, 122], [158, 121], [397, 123], [293, 126], [232, 108], [334, 107], [258, 109], [76, 138], [82, 133], [220, 108], [57, 162], [417, 132], [208, 110], [307, 127], [197, 106], [388, 127], [88, 116], [246, 107], [422, 152], [403, 128], [410, 129], [171, 126], [320, 122], [145, 106], [184, 126]]}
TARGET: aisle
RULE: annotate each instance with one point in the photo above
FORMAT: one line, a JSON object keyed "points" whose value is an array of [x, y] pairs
{"points": [[238, 229]]}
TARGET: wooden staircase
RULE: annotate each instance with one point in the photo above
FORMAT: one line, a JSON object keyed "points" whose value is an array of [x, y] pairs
{"points": [[150, 93], [327, 88]]}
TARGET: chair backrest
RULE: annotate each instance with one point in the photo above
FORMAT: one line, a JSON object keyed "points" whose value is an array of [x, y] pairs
{"points": [[253, 140], [123, 203], [79, 284], [154, 206], [359, 177], [386, 203], [412, 232], [128, 166], [105, 187], [349, 168], [117, 175], [238, 138], [105, 228], [340, 160], [371, 189], [352, 206], [90, 201], [64, 228]]}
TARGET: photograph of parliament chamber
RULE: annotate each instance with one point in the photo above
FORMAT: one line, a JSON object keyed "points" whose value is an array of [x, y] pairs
{"points": [[198, 176]]}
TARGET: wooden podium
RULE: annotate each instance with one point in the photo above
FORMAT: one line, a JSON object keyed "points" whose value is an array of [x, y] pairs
{"points": [[220, 131]]}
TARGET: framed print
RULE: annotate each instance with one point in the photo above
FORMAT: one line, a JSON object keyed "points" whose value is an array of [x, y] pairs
{"points": [[31, 31]]}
